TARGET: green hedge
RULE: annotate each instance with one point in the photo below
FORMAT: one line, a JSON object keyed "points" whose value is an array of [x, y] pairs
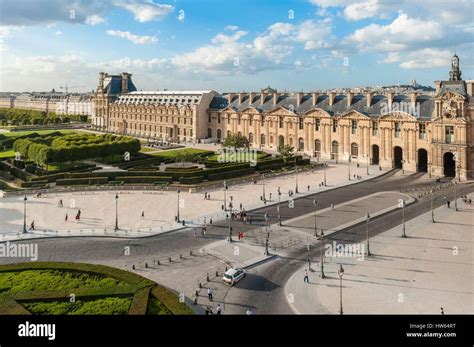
{"points": [[183, 169], [81, 181], [191, 180], [33, 184], [145, 179], [231, 174]]}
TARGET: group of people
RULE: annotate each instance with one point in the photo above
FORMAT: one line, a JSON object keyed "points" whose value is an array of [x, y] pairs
{"points": [[358, 177], [207, 196], [466, 200]]}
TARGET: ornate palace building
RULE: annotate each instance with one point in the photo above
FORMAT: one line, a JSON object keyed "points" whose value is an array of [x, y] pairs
{"points": [[412, 131]]}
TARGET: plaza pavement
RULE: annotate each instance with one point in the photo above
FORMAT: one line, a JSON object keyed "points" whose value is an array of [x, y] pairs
{"points": [[432, 268], [160, 208]]}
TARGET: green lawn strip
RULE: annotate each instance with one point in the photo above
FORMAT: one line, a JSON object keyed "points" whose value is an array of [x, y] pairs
{"points": [[156, 307], [7, 186], [9, 306], [171, 301], [174, 152], [125, 276], [140, 301], [98, 306], [9, 153], [83, 293], [40, 132]]}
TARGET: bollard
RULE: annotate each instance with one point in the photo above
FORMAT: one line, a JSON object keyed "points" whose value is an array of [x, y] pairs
{"points": [[190, 252], [200, 285], [196, 294], [207, 277], [226, 268], [158, 262], [195, 301], [217, 273], [133, 267], [169, 259], [180, 256]]}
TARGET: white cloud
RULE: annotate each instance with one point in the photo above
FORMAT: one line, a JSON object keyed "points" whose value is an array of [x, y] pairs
{"points": [[314, 34], [94, 19], [145, 11], [426, 59], [141, 40], [361, 10], [58, 33], [231, 28], [403, 33]]}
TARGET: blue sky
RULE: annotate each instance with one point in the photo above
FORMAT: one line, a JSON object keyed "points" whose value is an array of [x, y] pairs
{"points": [[231, 45]]}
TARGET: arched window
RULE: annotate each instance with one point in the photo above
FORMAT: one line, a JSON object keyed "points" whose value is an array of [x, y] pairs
{"points": [[262, 139], [335, 147], [317, 145], [354, 149], [250, 137], [300, 144], [219, 134]]}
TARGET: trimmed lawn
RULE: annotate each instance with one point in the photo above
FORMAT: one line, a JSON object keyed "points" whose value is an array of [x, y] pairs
{"points": [[40, 132], [215, 157], [173, 153], [9, 153], [106, 306], [4, 186]]}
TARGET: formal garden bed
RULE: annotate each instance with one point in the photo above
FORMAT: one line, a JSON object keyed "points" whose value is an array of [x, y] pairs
{"points": [[76, 288]]}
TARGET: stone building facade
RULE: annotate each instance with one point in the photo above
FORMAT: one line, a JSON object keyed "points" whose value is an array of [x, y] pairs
{"points": [[414, 131]]}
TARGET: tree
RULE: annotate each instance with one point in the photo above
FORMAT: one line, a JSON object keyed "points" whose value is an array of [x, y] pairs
{"points": [[236, 141], [286, 150]]}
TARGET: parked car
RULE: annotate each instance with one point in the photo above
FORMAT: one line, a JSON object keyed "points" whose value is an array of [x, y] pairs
{"points": [[233, 276]]}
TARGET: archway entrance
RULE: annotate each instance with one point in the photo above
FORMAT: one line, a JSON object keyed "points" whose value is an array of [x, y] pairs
{"points": [[449, 164], [281, 141], [422, 160], [375, 154], [397, 157]]}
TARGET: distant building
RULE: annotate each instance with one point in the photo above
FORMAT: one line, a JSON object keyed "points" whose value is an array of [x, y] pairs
{"points": [[392, 128]]}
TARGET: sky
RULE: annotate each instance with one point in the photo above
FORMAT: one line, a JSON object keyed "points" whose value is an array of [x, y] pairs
{"points": [[232, 45]]}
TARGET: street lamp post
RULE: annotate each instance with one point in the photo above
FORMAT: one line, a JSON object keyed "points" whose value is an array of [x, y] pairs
{"points": [[263, 187], [322, 254], [432, 210], [296, 178], [177, 219], [459, 173], [455, 196], [24, 215], [315, 214], [116, 212], [230, 222], [225, 196], [403, 166], [367, 218], [267, 240], [349, 168], [341, 273], [368, 163], [429, 169], [403, 218], [324, 170], [279, 212]]}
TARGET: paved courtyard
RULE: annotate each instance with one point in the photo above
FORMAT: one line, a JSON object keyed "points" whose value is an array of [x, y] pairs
{"points": [[160, 208], [432, 268]]}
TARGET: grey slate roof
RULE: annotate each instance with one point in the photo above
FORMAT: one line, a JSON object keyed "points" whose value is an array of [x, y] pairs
{"points": [[113, 84], [339, 106], [453, 86]]}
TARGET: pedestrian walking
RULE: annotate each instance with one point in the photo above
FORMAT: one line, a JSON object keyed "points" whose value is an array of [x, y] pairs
{"points": [[308, 187], [218, 309], [241, 206], [448, 203], [143, 215], [442, 311], [249, 312], [194, 232], [208, 196], [32, 225], [332, 206], [209, 294], [306, 278], [210, 221], [65, 217], [205, 196]]}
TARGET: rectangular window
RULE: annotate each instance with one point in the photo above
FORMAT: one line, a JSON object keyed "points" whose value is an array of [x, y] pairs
{"points": [[397, 129], [334, 125], [280, 122], [238, 119], [449, 134], [375, 128], [354, 127], [300, 123], [219, 118], [209, 118], [250, 120], [262, 121], [317, 125], [422, 133], [228, 119]]}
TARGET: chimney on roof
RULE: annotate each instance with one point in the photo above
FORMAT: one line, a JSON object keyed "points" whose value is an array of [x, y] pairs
{"points": [[350, 96], [369, 97], [101, 80], [275, 98], [314, 98], [125, 78], [241, 96], [299, 97], [251, 97], [413, 96], [390, 94], [332, 96]]}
